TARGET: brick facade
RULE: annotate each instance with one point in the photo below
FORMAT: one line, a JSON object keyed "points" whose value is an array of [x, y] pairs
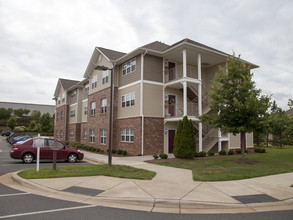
{"points": [[60, 124], [76, 132]]}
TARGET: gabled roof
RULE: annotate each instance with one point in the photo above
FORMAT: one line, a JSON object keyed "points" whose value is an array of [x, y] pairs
{"points": [[156, 45], [112, 55], [65, 84]]}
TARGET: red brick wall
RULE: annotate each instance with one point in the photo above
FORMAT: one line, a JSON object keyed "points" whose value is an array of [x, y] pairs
{"points": [[76, 132], [84, 141], [60, 124], [153, 136]]}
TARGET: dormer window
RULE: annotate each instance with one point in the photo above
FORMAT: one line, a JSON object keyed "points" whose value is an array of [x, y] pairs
{"points": [[129, 67]]}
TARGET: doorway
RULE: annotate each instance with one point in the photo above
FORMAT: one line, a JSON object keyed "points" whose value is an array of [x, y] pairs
{"points": [[171, 136]]}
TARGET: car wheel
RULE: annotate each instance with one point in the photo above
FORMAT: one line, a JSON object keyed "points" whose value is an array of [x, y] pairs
{"points": [[72, 158], [28, 158]]}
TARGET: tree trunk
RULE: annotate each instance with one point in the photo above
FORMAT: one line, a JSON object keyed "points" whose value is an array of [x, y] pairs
{"points": [[243, 145]]}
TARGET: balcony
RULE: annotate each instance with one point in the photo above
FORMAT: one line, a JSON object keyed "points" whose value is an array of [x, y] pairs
{"points": [[176, 73], [176, 110]]}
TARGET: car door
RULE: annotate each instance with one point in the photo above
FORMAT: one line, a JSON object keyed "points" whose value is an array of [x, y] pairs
{"points": [[46, 152]]}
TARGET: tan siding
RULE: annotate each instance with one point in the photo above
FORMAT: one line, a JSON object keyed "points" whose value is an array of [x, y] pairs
{"points": [[153, 68], [61, 92], [249, 140], [131, 111], [72, 119], [131, 77], [234, 141], [153, 100], [74, 99], [209, 74], [83, 116], [179, 99], [79, 104]]}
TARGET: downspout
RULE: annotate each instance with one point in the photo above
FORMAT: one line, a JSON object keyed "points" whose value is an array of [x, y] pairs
{"points": [[141, 101]]}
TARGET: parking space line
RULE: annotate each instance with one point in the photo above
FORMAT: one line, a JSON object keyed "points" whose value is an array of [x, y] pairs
{"points": [[46, 211], [14, 194]]}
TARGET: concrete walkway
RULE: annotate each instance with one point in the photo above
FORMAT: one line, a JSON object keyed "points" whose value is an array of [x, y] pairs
{"points": [[172, 190]]}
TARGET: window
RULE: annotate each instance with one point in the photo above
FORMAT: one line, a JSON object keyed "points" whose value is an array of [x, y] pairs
{"points": [[103, 134], [61, 134], [129, 67], [84, 133], [92, 136], [94, 81], [104, 106], [93, 108], [57, 116], [57, 133], [73, 93], [85, 110], [63, 97], [127, 135], [128, 100], [72, 113], [61, 116], [105, 76], [59, 100], [86, 87], [71, 134]]}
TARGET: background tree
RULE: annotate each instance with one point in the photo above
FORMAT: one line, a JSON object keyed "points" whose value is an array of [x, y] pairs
{"points": [[20, 112], [36, 115], [11, 123], [46, 123], [184, 142], [234, 97], [290, 103], [5, 113]]}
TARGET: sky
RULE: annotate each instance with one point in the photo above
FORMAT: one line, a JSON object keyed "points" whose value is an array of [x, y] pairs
{"points": [[43, 40]]}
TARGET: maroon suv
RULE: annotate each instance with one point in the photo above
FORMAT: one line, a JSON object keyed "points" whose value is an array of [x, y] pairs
{"points": [[27, 152]]}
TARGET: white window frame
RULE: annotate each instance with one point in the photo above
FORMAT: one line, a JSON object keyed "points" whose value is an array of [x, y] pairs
{"points": [[84, 133], [63, 97], [103, 136], [93, 108], [57, 132], [127, 135], [71, 133], [86, 87], [94, 81], [85, 110], [129, 67], [61, 133], [104, 106], [105, 76], [128, 100], [61, 116], [73, 93], [72, 113], [59, 100], [92, 135], [57, 116]]}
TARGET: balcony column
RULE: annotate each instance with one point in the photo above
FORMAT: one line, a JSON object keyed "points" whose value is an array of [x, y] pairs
{"points": [[199, 102], [184, 98], [219, 140], [184, 63]]}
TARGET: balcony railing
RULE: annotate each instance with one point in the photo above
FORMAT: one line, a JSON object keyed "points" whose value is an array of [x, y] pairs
{"points": [[176, 110], [177, 73]]}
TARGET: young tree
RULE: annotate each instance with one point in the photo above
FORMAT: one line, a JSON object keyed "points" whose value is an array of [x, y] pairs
{"points": [[11, 123], [234, 97], [46, 124], [184, 142], [36, 115]]}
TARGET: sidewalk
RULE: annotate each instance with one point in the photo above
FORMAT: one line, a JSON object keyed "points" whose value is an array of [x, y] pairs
{"points": [[172, 190]]}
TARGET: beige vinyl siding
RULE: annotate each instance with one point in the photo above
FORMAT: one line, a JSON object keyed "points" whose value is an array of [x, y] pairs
{"points": [[153, 100], [83, 116], [79, 104], [209, 74], [234, 141], [74, 99], [153, 68], [179, 98], [131, 77], [249, 140], [131, 111], [61, 92], [72, 119]]}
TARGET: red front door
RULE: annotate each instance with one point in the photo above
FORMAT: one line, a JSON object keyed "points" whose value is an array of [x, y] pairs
{"points": [[171, 135]]}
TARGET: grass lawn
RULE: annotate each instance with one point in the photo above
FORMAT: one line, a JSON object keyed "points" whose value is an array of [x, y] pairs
{"points": [[88, 170], [222, 168]]}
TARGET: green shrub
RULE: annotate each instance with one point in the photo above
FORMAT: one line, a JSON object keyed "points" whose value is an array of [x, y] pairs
{"points": [[124, 153], [66, 142], [211, 153], [196, 154], [238, 151], [222, 152], [202, 154], [102, 151], [230, 152], [155, 156], [246, 151], [119, 152], [93, 149], [259, 150], [163, 156], [113, 151], [98, 149]]}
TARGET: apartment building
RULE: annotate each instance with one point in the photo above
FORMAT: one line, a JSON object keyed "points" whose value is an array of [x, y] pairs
{"points": [[154, 86]]}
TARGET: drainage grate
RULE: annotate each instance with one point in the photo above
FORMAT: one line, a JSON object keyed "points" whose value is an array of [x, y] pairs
{"points": [[83, 191], [255, 198]]}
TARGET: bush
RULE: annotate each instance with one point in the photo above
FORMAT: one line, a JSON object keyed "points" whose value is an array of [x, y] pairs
{"points": [[202, 154], [124, 153], [238, 151], [113, 151], [102, 151], [155, 156], [230, 152], [163, 156], [211, 153], [259, 150], [222, 152], [66, 142], [119, 152], [20, 129], [196, 154]]}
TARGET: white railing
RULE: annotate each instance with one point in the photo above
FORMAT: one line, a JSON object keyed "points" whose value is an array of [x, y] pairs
{"points": [[177, 73]]}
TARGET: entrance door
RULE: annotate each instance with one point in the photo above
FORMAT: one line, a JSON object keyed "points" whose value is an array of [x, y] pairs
{"points": [[172, 105], [171, 136], [171, 71]]}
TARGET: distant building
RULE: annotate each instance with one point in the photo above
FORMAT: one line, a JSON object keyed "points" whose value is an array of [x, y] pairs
{"points": [[39, 107]]}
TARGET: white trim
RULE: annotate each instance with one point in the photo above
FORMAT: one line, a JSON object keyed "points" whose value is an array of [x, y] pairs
{"points": [[85, 100], [73, 104], [102, 54], [130, 84], [153, 83]]}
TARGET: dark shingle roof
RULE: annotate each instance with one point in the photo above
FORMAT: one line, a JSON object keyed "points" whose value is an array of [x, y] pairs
{"points": [[156, 45], [67, 83], [111, 54]]}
